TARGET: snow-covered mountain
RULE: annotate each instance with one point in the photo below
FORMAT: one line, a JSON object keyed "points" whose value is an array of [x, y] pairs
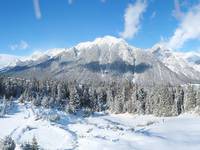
{"points": [[103, 59], [183, 63], [36, 58], [41, 54], [39, 57], [8, 60]]}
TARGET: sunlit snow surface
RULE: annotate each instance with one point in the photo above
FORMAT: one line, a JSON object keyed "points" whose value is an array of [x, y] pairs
{"points": [[100, 131]]}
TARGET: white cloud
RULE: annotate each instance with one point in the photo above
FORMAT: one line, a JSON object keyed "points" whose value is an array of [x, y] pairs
{"points": [[177, 13], [22, 45], [36, 4], [188, 29], [132, 18]]}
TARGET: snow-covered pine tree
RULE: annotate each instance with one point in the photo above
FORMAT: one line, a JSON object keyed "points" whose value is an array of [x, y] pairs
{"points": [[85, 100], [7, 144], [165, 101], [74, 100], [119, 100], [127, 89], [51, 102], [37, 101], [35, 144], [141, 99], [111, 93], [150, 100], [133, 108], [102, 100], [3, 107], [1, 86], [178, 100], [60, 91], [198, 97], [31, 146], [94, 101], [45, 102], [190, 100], [22, 98]]}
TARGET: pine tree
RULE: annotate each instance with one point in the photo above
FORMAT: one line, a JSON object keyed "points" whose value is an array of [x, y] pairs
{"points": [[7, 144], [74, 100], [198, 97], [3, 107], [36, 101], [141, 98], [1, 86], [119, 100], [94, 101], [179, 99], [134, 99], [190, 101], [127, 89], [150, 101], [85, 101], [111, 93], [164, 101], [102, 100], [60, 94], [22, 98], [34, 144], [45, 102]]}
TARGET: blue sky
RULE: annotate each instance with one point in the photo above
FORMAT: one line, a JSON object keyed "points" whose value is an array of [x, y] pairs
{"points": [[30, 25]]}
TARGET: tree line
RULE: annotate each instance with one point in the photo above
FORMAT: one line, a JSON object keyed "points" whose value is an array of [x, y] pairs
{"points": [[71, 96]]}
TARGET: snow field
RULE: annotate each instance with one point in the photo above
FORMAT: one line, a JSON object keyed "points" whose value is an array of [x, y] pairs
{"points": [[100, 131]]}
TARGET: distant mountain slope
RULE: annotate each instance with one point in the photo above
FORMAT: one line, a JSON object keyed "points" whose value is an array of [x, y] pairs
{"points": [[104, 59], [37, 57], [184, 64], [8, 60]]}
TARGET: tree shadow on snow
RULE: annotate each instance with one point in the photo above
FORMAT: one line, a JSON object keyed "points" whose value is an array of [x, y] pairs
{"points": [[146, 132], [14, 108]]}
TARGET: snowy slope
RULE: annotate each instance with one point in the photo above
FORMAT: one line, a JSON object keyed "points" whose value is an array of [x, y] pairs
{"points": [[100, 131], [103, 59], [109, 58], [106, 50], [183, 63], [8, 60], [40, 54], [35, 58], [193, 58]]}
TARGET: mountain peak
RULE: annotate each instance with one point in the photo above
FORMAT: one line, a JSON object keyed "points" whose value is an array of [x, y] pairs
{"points": [[160, 47], [161, 51], [101, 41], [109, 39]]}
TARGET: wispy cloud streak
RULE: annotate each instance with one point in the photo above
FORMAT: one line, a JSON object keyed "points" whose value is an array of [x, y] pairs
{"points": [[36, 4], [132, 18]]}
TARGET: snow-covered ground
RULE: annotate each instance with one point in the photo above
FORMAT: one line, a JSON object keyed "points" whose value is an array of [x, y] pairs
{"points": [[100, 131]]}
